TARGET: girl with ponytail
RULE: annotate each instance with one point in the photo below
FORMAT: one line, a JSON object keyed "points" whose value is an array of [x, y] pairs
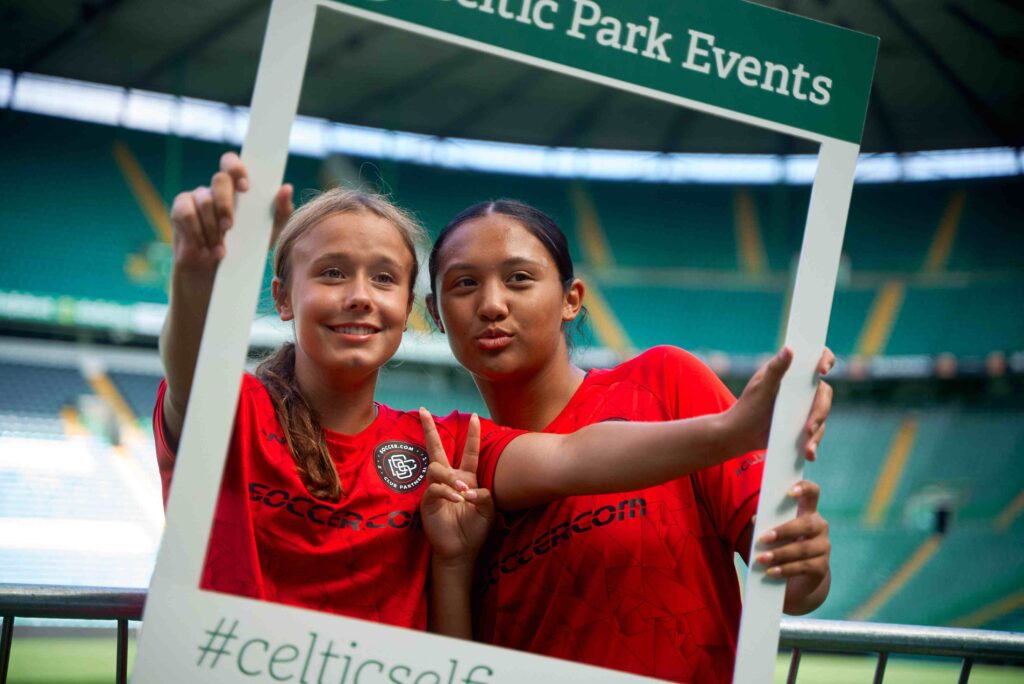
{"points": [[326, 494]]}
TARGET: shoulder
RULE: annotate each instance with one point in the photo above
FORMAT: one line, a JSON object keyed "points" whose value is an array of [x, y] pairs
{"points": [[254, 393], [252, 385], [447, 426], [661, 363]]}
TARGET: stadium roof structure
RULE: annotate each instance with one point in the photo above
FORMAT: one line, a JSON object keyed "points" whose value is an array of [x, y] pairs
{"points": [[950, 75]]}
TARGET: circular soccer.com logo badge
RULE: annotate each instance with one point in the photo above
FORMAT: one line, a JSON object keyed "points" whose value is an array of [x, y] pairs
{"points": [[401, 465]]}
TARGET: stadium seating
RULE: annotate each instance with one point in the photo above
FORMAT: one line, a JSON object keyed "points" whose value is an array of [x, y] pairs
{"points": [[862, 561], [88, 484], [40, 391], [954, 447], [992, 238], [653, 226], [740, 321], [73, 227], [139, 390], [891, 227], [964, 321], [974, 568], [69, 220]]}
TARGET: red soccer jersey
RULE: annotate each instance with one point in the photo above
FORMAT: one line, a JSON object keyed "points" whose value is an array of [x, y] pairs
{"points": [[364, 556], [642, 581]]}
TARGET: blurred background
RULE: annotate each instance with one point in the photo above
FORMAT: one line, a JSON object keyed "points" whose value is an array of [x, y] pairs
{"points": [[685, 228]]}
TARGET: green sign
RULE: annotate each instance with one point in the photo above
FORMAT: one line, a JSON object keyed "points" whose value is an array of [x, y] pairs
{"points": [[731, 54]]}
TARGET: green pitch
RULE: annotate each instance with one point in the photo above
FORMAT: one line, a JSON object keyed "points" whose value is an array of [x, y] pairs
{"points": [[90, 660]]}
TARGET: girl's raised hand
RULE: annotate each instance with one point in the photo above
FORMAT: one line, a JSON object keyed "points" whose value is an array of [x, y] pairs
{"points": [[749, 419], [457, 515], [202, 216]]}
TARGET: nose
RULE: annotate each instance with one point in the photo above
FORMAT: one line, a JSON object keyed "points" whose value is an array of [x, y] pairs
{"points": [[493, 304], [357, 296]]}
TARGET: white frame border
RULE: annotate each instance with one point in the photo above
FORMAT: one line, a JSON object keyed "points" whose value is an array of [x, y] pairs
{"points": [[175, 601]]}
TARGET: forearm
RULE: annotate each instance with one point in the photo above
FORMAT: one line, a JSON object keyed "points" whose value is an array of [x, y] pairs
{"points": [[450, 611], [179, 341], [618, 456], [608, 457]]}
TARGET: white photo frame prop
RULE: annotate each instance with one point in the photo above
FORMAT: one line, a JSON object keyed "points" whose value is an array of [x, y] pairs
{"points": [[730, 58]]}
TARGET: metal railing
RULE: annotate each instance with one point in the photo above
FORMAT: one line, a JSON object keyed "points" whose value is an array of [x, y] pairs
{"points": [[837, 636], [69, 603], [800, 635]]}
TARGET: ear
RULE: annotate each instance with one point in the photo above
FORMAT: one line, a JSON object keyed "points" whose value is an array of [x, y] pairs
{"points": [[281, 301], [432, 308], [572, 301]]}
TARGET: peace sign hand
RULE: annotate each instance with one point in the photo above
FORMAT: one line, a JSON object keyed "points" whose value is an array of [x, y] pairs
{"points": [[457, 515]]}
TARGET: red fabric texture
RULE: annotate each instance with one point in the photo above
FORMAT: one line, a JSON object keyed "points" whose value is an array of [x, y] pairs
{"points": [[364, 556], [641, 581]]}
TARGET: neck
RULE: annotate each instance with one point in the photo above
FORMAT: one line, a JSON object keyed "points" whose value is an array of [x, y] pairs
{"points": [[343, 403], [532, 401]]}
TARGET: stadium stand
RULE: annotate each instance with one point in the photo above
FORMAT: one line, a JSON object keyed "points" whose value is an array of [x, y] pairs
{"points": [[862, 561], [710, 284], [891, 227], [974, 568], [651, 226], [966, 454], [971, 320], [32, 397], [719, 255], [740, 321], [139, 390]]}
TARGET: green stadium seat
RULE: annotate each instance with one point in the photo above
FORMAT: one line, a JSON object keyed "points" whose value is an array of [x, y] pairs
{"points": [[990, 235], [972, 320], [740, 321], [974, 568], [657, 226]]}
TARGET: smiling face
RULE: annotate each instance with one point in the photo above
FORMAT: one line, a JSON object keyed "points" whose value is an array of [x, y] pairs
{"points": [[501, 299], [349, 290]]}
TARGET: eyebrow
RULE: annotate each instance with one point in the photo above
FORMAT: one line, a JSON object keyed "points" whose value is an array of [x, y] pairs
{"points": [[512, 261], [379, 259]]}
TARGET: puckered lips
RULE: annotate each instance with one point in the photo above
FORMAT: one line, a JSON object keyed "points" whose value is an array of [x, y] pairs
{"points": [[355, 331], [494, 339]]}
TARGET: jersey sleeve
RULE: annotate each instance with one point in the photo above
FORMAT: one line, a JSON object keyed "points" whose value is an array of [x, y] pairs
{"points": [[166, 455], [730, 490], [493, 440]]}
